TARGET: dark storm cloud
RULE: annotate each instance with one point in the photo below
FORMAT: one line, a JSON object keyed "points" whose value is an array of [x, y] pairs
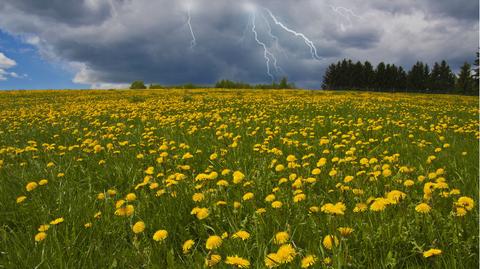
{"points": [[117, 41]]}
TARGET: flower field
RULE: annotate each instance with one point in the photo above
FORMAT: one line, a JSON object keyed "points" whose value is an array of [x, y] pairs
{"points": [[238, 179]]}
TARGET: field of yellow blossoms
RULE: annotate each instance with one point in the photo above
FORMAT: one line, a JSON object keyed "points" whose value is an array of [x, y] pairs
{"points": [[238, 179]]}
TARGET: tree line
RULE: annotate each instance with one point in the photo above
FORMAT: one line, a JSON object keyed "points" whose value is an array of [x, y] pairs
{"points": [[347, 75], [223, 84]]}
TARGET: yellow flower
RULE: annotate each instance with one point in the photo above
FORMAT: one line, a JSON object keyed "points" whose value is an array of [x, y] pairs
{"points": [[131, 197], [272, 260], [308, 261], [198, 197], [187, 245], [237, 261], [247, 196], [213, 242], [43, 182], [395, 196], [460, 212], [316, 171], [299, 197], [101, 196], [379, 204], [20, 199], [138, 227], [279, 167], [43, 228], [432, 252], [202, 213], [241, 234], [270, 198], [87, 225], [360, 207], [160, 235], [334, 209], [213, 260], [408, 183], [286, 253], [281, 238], [56, 221], [40, 236], [465, 202], [329, 241], [291, 158], [277, 204], [126, 211], [31, 186], [238, 177], [423, 208], [345, 231]]}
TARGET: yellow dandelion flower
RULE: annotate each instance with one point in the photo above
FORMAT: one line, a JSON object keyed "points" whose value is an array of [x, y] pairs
{"points": [[40, 236], [432, 252], [187, 245], [56, 221], [138, 227], [237, 261], [31, 186], [21, 199], [329, 241], [423, 208], [277, 204], [213, 242], [308, 261], [213, 260], [160, 235], [286, 253], [244, 235]]}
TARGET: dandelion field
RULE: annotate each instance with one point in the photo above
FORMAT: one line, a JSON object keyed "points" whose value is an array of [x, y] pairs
{"points": [[238, 179]]}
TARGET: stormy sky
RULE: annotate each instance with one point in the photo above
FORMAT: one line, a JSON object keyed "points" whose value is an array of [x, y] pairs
{"points": [[110, 43]]}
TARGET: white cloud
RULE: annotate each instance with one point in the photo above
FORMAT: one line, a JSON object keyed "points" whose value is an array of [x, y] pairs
{"points": [[6, 63]]}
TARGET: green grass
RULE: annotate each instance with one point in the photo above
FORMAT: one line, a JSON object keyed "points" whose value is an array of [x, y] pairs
{"points": [[63, 127]]}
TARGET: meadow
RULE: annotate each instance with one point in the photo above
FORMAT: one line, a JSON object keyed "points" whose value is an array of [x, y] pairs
{"points": [[238, 179]]}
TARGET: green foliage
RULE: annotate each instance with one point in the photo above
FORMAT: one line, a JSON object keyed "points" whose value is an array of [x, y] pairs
{"points": [[228, 84], [465, 82], [137, 85], [346, 75], [155, 86]]}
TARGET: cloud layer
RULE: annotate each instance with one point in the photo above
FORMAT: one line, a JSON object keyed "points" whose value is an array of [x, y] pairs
{"points": [[118, 41], [6, 63]]}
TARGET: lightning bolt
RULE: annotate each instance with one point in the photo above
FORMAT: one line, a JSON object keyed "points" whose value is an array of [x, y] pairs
{"points": [[266, 52], [277, 44], [308, 42], [193, 43], [345, 13]]}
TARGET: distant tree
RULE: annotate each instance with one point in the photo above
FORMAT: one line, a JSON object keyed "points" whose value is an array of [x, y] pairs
{"points": [[476, 72], [442, 79], [138, 84], [368, 75], [465, 82], [380, 77], [283, 83], [329, 78], [155, 86], [418, 77]]}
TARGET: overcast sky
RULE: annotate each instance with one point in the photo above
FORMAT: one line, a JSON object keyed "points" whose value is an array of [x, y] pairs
{"points": [[109, 43]]}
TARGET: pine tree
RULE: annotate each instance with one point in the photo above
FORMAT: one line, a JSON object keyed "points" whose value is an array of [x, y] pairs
{"points": [[418, 77], [369, 75], [465, 83], [380, 75]]}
